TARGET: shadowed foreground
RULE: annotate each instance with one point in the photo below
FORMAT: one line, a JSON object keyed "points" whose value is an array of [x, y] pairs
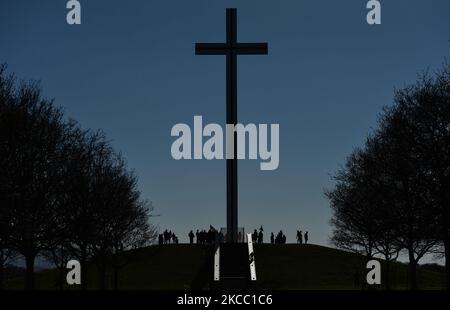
{"points": [[289, 266]]}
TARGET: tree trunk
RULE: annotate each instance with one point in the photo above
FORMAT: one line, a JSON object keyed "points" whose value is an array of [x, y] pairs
{"points": [[412, 271], [446, 229], [387, 279], [2, 270], [29, 274], [101, 277], [116, 278], [61, 267], [116, 268], [2, 277], [447, 261], [61, 274], [83, 263], [101, 267]]}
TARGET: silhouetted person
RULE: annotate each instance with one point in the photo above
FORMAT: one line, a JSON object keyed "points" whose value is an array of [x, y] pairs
{"points": [[255, 236], [203, 236], [210, 236], [197, 236], [280, 237], [191, 237], [168, 236], [260, 237], [160, 239], [299, 237], [306, 237], [165, 236], [216, 236], [272, 238]]}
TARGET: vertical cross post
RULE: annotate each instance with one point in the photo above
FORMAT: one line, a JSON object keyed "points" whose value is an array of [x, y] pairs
{"points": [[231, 48], [232, 164]]}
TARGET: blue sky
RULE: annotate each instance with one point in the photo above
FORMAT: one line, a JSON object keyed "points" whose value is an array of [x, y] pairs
{"points": [[130, 69]]}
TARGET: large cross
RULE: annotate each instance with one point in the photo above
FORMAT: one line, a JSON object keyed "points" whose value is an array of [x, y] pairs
{"points": [[231, 48]]}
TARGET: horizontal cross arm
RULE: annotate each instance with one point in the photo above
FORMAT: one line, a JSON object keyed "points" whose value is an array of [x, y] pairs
{"points": [[251, 48], [211, 49]]}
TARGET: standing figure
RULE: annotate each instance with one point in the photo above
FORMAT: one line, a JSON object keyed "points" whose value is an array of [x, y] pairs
{"points": [[255, 236], [272, 238], [165, 235], [260, 237], [191, 237], [306, 237], [279, 238]]}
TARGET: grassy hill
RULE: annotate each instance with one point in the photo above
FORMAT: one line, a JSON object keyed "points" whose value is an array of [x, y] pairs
{"points": [[289, 266]]}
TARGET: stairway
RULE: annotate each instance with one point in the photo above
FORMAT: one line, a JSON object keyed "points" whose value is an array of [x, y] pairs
{"points": [[234, 266]]}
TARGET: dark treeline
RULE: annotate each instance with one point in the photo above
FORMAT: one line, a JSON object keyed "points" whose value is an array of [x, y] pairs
{"points": [[64, 192], [393, 195]]}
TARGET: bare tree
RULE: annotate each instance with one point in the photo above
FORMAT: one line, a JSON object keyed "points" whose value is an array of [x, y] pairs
{"points": [[122, 218], [353, 213], [417, 130], [393, 194], [32, 130], [6, 85], [64, 192]]}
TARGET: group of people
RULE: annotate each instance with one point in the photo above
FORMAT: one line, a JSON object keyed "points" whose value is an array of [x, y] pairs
{"points": [[279, 239], [211, 236], [206, 236], [167, 237], [301, 237], [258, 237]]}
